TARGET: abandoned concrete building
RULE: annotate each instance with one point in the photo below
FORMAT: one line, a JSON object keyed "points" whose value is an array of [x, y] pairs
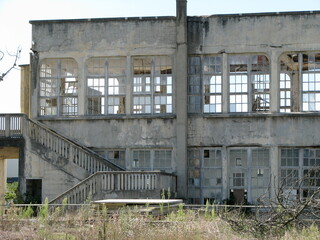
{"points": [[210, 107]]}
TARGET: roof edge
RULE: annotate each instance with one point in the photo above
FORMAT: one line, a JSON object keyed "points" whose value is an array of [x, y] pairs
{"points": [[101, 19]]}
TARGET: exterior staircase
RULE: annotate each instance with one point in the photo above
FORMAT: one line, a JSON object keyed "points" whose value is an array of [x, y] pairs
{"points": [[98, 177]]}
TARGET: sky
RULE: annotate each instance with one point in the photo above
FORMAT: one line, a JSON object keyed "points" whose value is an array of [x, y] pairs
{"points": [[15, 30]]}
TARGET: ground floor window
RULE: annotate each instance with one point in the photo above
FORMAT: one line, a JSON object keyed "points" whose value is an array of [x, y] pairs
{"points": [[300, 171], [117, 156], [154, 159], [204, 175]]}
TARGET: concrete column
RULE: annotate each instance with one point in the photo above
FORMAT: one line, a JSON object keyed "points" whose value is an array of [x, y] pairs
{"points": [[3, 179], [129, 87], [81, 86], [225, 173], [181, 96], [249, 175], [274, 85], [274, 170], [225, 83]]}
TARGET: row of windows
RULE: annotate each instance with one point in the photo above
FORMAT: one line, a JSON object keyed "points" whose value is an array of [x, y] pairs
{"points": [[152, 84], [141, 159], [106, 86], [249, 83], [249, 170]]}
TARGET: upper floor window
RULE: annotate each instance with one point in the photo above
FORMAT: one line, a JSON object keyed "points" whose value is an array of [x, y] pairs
{"points": [[249, 83], [299, 82], [205, 84], [311, 82], [58, 87], [152, 85], [106, 85]]}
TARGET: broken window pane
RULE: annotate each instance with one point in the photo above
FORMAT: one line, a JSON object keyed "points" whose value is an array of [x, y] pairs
{"points": [[117, 157], [48, 106], [305, 79], [95, 105], [69, 106]]}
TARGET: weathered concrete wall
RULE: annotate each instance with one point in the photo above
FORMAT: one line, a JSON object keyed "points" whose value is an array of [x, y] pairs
{"points": [[25, 89], [276, 130], [130, 133], [112, 37], [118, 133], [54, 180], [240, 33]]}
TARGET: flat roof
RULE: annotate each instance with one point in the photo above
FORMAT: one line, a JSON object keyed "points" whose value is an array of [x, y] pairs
{"points": [[172, 17]]}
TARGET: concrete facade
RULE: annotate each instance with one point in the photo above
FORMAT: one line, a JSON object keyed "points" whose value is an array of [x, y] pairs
{"points": [[209, 129]]}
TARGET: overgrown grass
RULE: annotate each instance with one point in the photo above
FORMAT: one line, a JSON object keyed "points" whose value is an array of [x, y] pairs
{"points": [[128, 223]]}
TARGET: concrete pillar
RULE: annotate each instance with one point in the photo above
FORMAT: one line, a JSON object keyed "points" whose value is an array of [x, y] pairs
{"points": [[129, 87], [181, 96], [225, 83], [225, 173], [274, 90], [274, 170], [81, 86], [3, 179]]}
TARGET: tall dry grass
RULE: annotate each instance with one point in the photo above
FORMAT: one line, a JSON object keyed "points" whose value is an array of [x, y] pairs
{"points": [[127, 223]]}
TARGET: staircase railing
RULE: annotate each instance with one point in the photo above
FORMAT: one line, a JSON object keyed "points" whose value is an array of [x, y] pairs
{"points": [[102, 182], [11, 125], [69, 149]]}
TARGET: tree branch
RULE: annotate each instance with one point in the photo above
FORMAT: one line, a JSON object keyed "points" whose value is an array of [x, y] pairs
{"points": [[16, 55]]}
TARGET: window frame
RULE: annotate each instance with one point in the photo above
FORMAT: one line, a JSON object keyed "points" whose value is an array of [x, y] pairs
{"points": [[205, 84], [248, 99], [66, 76], [201, 162], [110, 103], [152, 85], [152, 158]]}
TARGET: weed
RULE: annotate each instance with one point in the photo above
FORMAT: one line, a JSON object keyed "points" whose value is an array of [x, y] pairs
{"points": [[44, 210], [27, 212]]}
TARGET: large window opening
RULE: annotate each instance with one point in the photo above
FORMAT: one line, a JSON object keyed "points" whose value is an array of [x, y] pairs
{"points": [[106, 86], [205, 84], [58, 87], [249, 83], [157, 159], [300, 171], [300, 82], [204, 175], [152, 85]]}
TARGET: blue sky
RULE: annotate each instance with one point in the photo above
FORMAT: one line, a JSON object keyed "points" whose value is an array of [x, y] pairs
{"points": [[16, 30]]}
